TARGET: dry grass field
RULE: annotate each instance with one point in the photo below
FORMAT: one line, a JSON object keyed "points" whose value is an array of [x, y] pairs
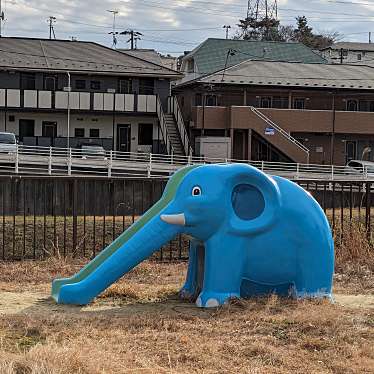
{"points": [[139, 325]]}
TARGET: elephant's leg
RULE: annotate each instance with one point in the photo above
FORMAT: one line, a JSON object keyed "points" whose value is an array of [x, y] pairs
{"points": [[189, 290], [224, 260], [315, 276]]}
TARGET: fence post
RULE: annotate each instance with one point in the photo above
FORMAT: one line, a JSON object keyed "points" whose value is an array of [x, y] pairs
{"points": [[332, 172], [50, 161], [297, 170], [150, 166], [16, 165], [110, 164], [262, 165], [172, 156], [190, 159], [69, 162], [75, 217]]}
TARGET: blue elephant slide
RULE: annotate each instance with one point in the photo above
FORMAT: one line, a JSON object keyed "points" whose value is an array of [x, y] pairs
{"points": [[252, 235]]}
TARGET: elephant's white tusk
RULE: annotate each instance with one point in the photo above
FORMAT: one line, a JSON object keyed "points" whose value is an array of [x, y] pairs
{"points": [[174, 219]]}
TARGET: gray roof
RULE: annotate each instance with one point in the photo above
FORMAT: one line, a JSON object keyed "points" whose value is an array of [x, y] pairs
{"points": [[285, 74], [146, 54], [74, 56], [353, 46], [210, 56]]}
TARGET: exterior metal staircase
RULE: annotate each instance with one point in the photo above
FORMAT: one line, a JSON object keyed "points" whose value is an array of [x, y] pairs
{"points": [[173, 129], [174, 136], [280, 138]]}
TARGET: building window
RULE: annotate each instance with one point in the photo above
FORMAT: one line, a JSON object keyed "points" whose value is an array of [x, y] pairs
{"points": [[125, 86], [79, 133], [80, 84], [94, 133], [345, 52], [280, 102], [146, 86], [299, 103], [211, 100], [359, 57], [198, 99], [95, 85], [27, 81], [50, 82], [352, 105], [145, 135], [265, 102], [363, 105], [190, 65]]}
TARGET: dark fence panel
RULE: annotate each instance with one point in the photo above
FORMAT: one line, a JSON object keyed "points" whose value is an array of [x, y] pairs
{"points": [[79, 216]]}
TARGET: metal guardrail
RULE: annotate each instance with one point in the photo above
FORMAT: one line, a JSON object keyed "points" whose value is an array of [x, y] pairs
{"points": [[80, 216], [173, 107], [279, 129], [62, 161]]}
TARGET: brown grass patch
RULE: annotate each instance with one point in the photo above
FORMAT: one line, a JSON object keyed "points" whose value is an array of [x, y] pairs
{"points": [[145, 329]]}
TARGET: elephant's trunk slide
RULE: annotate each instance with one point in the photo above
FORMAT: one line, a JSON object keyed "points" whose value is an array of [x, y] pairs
{"points": [[115, 261]]}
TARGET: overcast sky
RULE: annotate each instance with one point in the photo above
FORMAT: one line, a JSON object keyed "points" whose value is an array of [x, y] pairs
{"points": [[175, 26]]}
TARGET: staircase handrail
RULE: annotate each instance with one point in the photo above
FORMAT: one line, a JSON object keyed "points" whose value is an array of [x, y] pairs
{"points": [[174, 108], [279, 129], [163, 127]]}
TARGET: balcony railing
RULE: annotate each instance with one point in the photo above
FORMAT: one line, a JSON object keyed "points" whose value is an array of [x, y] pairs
{"points": [[84, 101], [291, 120]]}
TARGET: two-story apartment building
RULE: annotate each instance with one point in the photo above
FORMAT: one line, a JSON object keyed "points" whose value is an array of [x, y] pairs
{"points": [[349, 53], [284, 111], [60, 93]]}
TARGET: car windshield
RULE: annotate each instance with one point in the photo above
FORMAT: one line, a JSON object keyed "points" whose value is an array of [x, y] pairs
{"points": [[7, 139], [356, 165]]}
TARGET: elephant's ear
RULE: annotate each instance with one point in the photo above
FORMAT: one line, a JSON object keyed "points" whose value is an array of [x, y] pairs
{"points": [[255, 200]]}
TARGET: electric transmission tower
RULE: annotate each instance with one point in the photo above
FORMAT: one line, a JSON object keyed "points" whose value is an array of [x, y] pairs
{"points": [[261, 9], [262, 18]]}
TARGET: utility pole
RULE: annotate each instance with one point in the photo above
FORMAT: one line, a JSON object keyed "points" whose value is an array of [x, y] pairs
{"points": [[51, 21], [134, 37], [227, 27], [2, 18], [114, 32]]}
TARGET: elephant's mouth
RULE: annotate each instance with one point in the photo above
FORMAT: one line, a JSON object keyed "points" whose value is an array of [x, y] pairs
{"points": [[174, 219]]}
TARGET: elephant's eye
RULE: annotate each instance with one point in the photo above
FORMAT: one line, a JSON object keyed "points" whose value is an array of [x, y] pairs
{"points": [[196, 191]]}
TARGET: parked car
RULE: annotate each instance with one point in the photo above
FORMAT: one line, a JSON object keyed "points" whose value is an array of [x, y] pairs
{"points": [[93, 151], [8, 142], [359, 167]]}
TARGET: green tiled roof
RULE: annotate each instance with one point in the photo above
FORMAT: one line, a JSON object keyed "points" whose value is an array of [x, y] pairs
{"points": [[211, 55]]}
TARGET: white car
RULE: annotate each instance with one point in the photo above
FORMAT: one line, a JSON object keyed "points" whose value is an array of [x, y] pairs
{"points": [[93, 151], [359, 167], [8, 142]]}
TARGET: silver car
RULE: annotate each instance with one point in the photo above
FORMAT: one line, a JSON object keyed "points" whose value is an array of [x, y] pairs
{"points": [[8, 142]]}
